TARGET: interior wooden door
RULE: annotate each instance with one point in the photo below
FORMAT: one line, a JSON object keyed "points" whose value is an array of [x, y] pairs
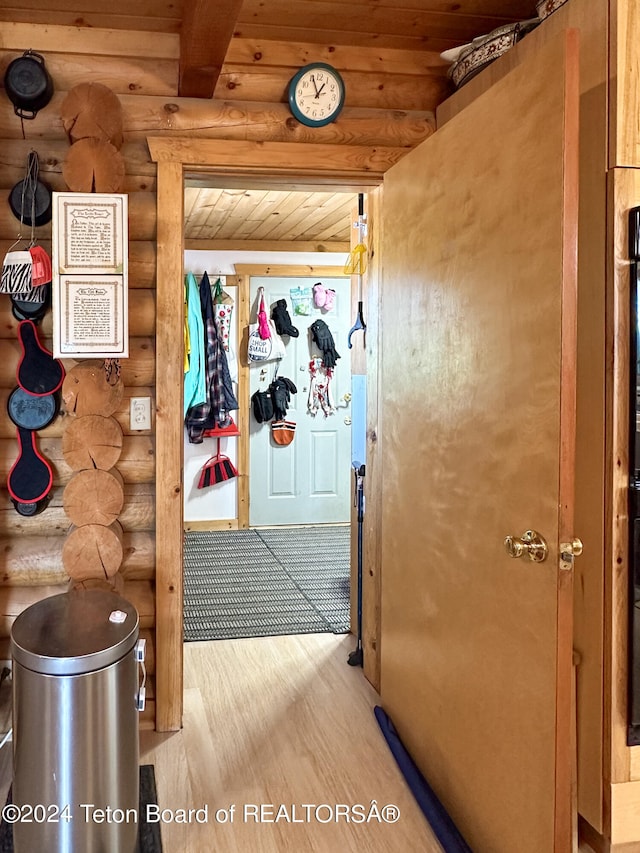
{"points": [[478, 429]]}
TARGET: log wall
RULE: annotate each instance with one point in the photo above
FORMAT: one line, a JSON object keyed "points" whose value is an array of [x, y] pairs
{"points": [[389, 109]]}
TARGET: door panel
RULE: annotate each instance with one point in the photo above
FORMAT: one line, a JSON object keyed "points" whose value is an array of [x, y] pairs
{"points": [[478, 396], [309, 481]]}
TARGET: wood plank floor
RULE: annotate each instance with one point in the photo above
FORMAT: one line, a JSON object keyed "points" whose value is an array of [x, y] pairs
{"points": [[280, 721]]}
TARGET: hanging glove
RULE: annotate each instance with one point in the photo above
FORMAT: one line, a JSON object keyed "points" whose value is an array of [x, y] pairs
{"points": [[319, 295], [324, 340], [280, 391], [292, 388], [282, 320]]}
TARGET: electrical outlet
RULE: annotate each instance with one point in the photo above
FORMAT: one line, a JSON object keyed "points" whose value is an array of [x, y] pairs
{"points": [[140, 413]]}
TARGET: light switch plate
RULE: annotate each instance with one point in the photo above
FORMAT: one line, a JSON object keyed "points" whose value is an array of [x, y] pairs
{"points": [[140, 413]]}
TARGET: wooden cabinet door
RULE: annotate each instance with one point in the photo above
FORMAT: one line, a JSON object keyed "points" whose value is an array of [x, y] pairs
{"points": [[478, 431]]}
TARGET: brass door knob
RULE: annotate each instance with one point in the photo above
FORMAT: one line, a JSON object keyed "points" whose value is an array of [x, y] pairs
{"points": [[530, 543]]}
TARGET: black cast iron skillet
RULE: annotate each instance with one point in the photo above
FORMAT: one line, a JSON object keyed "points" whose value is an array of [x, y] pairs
{"points": [[28, 84], [38, 371], [30, 478], [30, 412]]}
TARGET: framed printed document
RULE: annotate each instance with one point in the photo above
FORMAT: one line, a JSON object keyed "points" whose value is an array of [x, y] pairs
{"points": [[90, 292], [92, 315]]}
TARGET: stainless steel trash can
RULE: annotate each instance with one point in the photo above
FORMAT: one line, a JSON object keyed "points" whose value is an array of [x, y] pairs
{"points": [[75, 725]]}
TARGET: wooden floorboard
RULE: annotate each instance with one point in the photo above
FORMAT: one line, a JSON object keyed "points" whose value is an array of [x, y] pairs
{"points": [[277, 720], [280, 721]]}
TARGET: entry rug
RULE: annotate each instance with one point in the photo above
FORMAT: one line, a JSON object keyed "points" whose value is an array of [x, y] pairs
{"points": [[149, 838], [268, 581]]}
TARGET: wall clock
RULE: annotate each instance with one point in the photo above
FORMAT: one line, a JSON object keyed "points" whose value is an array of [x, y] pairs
{"points": [[316, 94]]}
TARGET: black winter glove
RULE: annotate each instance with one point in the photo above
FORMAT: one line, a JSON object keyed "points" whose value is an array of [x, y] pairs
{"points": [[292, 388], [281, 395], [324, 340], [282, 320]]}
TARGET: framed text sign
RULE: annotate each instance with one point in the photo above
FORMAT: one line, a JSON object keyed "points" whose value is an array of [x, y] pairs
{"points": [[90, 293], [92, 314]]}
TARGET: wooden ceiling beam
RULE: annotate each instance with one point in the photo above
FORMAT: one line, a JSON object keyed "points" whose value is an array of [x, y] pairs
{"points": [[207, 29], [233, 245]]}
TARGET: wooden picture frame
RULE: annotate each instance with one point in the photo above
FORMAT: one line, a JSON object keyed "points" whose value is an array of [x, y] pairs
{"points": [[90, 275]]}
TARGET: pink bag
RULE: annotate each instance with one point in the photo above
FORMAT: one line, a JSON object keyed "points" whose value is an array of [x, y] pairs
{"points": [[264, 329]]}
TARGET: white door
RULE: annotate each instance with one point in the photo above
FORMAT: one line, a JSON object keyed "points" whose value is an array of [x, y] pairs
{"points": [[308, 481]]}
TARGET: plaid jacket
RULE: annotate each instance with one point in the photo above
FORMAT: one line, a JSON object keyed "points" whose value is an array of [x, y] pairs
{"points": [[220, 396]]}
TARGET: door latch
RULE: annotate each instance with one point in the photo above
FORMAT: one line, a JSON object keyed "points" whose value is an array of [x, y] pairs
{"points": [[568, 552]]}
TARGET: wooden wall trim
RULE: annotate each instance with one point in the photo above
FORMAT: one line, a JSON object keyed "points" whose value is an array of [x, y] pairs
{"points": [[265, 246], [169, 447], [242, 416], [372, 531], [283, 270], [623, 187], [288, 158], [568, 386]]}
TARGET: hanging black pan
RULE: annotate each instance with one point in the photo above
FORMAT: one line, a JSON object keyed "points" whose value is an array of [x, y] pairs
{"points": [[30, 478], [24, 310], [37, 198], [28, 84], [30, 509], [38, 372], [30, 412], [30, 199]]}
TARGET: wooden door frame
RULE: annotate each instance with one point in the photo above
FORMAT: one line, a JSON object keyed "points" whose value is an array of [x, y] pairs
{"points": [[279, 163]]}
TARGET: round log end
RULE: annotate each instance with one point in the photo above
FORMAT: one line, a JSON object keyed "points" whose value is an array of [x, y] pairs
{"points": [[92, 441], [87, 391], [93, 496], [93, 551]]}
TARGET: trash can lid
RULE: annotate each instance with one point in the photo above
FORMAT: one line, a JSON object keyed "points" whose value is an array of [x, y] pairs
{"points": [[74, 633]]}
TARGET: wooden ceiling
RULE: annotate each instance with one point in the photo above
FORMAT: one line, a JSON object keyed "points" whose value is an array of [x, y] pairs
{"points": [[225, 34], [387, 51], [261, 219]]}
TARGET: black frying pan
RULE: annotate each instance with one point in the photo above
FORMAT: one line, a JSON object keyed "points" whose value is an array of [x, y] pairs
{"points": [[30, 478], [28, 84], [30, 509], [31, 203], [38, 371], [31, 412], [23, 310]]}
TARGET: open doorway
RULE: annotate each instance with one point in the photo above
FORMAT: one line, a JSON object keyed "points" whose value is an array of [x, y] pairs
{"points": [[322, 166], [275, 557]]}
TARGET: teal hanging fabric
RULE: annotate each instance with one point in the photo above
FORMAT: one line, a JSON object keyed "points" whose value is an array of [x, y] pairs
{"points": [[195, 384]]}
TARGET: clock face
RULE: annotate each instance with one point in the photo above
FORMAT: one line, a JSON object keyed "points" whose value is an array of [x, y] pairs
{"points": [[316, 94]]}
